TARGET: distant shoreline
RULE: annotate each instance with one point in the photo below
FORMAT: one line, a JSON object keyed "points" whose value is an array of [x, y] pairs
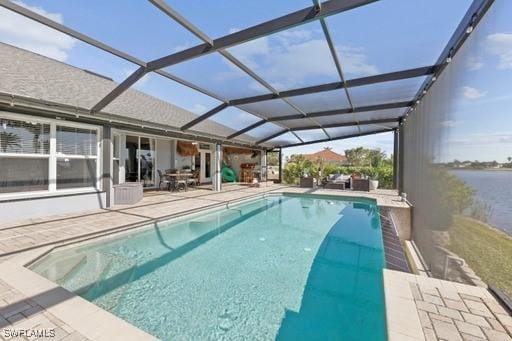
{"points": [[483, 169], [487, 225]]}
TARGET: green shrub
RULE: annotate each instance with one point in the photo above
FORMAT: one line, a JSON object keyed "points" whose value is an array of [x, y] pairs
{"points": [[297, 167]]}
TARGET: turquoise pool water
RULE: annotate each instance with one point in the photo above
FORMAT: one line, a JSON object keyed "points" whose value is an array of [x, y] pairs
{"points": [[278, 268]]}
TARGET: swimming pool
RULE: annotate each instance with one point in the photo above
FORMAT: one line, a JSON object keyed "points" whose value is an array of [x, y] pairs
{"points": [[276, 268]]}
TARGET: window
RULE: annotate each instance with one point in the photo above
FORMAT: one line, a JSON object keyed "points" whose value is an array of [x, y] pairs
{"points": [[76, 173], [23, 174], [76, 157], [46, 155], [76, 141], [24, 155]]}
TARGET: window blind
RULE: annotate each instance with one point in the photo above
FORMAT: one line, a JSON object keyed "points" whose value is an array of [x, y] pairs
{"points": [[76, 141], [24, 137]]}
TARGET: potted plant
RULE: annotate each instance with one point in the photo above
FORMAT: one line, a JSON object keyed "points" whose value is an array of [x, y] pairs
{"points": [[373, 176]]}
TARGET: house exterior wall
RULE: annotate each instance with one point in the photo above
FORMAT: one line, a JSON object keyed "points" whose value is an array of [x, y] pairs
{"points": [[30, 208], [163, 156]]}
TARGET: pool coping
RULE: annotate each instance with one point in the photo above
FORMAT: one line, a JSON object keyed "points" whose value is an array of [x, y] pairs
{"points": [[86, 318], [83, 316]]}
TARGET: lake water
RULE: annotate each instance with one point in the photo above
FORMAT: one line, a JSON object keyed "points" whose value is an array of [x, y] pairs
{"points": [[495, 189]]}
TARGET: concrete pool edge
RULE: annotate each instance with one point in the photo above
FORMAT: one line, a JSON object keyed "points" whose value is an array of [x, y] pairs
{"points": [[77, 313], [80, 314]]}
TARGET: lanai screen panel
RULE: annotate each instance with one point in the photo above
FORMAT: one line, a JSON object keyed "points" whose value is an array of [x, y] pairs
{"points": [[271, 108], [342, 131], [298, 56], [80, 85], [129, 27], [218, 75], [218, 18], [292, 58], [284, 139], [361, 116], [265, 130], [386, 36], [387, 92], [175, 104], [367, 128], [321, 101], [297, 123], [311, 135], [465, 116]]}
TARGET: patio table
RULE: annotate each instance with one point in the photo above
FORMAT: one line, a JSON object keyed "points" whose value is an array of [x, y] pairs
{"points": [[181, 176]]}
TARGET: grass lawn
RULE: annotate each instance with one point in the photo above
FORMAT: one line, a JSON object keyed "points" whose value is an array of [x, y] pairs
{"points": [[487, 251]]}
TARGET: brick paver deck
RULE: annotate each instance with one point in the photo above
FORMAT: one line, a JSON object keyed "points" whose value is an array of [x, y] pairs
{"points": [[158, 205], [442, 310], [19, 313]]}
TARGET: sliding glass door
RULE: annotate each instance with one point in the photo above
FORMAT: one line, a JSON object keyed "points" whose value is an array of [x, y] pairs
{"points": [[147, 161], [140, 160]]}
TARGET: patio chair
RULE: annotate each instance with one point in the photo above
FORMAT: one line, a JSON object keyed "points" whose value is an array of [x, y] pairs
{"points": [[177, 184], [191, 182], [337, 181], [164, 179]]}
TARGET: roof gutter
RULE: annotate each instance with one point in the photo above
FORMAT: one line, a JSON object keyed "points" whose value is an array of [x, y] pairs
{"points": [[42, 108]]}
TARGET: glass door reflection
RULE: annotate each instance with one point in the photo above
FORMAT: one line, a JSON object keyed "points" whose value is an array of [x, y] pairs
{"points": [[147, 161], [140, 160], [131, 162]]}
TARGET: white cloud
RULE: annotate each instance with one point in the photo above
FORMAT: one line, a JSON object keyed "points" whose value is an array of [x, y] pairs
{"points": [[179, 48], [27, 34], [472, 93], [474, 63], [198, 109], [449, 123], [355, 62], [482, 139], [288, 59], [141, 83], [500, 45], [506, 139]]}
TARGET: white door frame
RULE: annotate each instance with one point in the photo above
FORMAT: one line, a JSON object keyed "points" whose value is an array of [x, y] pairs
{"points": [[202, 173], [123, 156]]}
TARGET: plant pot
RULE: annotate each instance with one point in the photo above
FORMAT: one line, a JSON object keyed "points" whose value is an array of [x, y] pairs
{"points": [[374, 184], [306, 182]]}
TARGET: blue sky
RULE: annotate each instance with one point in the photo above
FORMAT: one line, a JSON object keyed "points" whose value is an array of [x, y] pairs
{"points": [[381, 37]]}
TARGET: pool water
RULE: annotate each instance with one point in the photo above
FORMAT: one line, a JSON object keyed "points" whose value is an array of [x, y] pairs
{"points": [[277, 268]]}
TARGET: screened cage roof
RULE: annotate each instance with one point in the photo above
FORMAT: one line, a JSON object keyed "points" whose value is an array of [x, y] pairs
{"points": [[265, 73]]}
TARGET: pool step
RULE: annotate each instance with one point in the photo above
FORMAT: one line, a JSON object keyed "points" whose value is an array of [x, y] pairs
{"points": [[110, 287], [59, 270], [91, 270]]}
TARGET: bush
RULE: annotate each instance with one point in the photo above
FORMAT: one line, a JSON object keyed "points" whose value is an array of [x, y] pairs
{"points": [[294, 169]]}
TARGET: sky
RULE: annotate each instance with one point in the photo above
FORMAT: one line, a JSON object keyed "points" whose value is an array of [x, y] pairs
{"points": [[381, 37]]}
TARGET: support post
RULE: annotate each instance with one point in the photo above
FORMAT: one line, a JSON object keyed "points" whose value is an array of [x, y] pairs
{"points": [[280, 166], [217, 157], [395, 159], [107, 179], [263, 166], [401, 159]]}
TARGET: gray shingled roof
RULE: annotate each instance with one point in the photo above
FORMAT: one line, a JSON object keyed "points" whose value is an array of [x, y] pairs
{"points": [[28, 74]]}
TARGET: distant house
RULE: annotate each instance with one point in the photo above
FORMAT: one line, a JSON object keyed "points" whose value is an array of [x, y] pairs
{"points": [[327, 156]]}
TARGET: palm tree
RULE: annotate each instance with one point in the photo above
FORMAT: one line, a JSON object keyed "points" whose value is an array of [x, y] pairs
{"points": [[509, 159], [8, 140]]}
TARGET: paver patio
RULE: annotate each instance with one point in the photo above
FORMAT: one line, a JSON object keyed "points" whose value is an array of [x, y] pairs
{"points": [[155, 206]]}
